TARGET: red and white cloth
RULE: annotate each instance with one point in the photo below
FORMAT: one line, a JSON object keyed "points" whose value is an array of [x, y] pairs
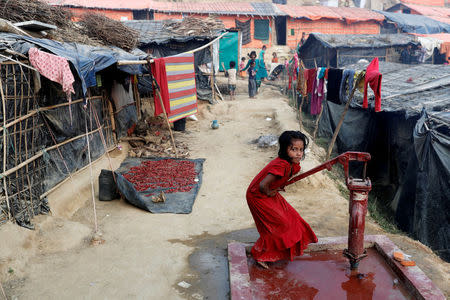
{"points": [[55, 68]]}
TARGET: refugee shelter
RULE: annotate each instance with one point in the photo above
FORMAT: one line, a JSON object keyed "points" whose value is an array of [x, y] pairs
{"points": [[409, 143], [163, 38], [328, 20], [437, 12], [337, 50], [48, 133], [408, 23]]}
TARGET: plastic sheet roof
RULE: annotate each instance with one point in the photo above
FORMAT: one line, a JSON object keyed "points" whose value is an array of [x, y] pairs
{"points": [[154, 32], [347, 14], [409, 88], [359, 40], [441, 14], [416, 23]]}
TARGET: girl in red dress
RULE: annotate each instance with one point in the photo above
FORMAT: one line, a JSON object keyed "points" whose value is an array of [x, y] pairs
{"points": [[283, 233]]}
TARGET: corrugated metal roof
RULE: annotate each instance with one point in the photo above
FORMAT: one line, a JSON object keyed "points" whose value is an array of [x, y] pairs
{"points": [[347, 14], [103, 4], [221, 8]]}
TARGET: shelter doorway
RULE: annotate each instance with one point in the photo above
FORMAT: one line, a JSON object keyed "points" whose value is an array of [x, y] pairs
{"points": [[280, 27]]}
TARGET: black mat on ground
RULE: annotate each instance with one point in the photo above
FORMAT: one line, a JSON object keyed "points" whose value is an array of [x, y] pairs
{"points": [[177, 202]]}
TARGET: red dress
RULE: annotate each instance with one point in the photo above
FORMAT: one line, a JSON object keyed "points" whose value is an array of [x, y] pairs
{"points": [[283, 233]]}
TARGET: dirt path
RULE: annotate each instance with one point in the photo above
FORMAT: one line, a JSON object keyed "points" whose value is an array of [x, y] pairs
{"points": [[145, 255]]}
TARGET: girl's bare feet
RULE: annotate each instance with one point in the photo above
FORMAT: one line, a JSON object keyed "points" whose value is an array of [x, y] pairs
{"points": [[263, 264]]}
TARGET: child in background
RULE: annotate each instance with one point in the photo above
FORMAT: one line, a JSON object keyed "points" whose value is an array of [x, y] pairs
{"points": [[231, 73], [252, 80], [283, 232], [241, 68], [275, 57]]}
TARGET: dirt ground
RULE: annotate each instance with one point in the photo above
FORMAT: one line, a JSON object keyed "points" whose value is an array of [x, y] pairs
{"points": [[146, 255]]}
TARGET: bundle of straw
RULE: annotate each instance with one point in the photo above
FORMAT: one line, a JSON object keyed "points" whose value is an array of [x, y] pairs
{"points": [[109, 31]]}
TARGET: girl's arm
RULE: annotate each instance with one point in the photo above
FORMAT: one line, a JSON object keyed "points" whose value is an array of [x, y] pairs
{"points": [[264, 185]]}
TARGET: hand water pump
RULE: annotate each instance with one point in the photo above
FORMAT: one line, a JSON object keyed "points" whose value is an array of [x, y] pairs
{"points": [[359, 195]]}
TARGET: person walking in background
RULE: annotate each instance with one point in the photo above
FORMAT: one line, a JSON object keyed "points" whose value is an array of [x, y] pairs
{"points": [[261, 73], [406, 55], [231, 74], [252, 80]]}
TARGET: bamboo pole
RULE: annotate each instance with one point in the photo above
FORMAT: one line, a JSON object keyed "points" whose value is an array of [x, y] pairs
{"points": [[137, 97], [143, 62], [167, 121], [212, 74], [4, 148], [91, 174], [317, 123], [341, 121], [113, 121]]}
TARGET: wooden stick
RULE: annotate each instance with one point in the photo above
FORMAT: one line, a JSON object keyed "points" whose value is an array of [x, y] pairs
{"points": [[218, 92], [212, 74], [113, 120], [300, 117], [90, 170], [4, 148], [317, 123], [18, 62], [137, 97], [341, 121], [167, 121]]}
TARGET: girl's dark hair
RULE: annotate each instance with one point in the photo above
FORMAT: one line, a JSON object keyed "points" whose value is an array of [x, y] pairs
{"points": [[285, 140], [232, 64], [252, 53], [242, 58]]}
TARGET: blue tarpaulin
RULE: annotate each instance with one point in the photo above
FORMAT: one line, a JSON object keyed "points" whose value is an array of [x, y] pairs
{"points": [[87, 60], [416, 23]]}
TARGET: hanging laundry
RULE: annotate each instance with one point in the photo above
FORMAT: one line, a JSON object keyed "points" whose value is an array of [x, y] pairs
{"points": [[180, 85], [159, 74], [310, 75], [55, 68], [334, 85], [373, 79], [359, 80], [301, 82], [319, 92], [346, 84]]}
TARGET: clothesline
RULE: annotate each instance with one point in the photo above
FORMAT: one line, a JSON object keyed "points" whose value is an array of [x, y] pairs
{"points": [[143, 62]]}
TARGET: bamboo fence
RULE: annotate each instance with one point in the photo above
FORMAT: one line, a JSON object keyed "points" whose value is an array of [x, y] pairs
{"points": [[34, 148]]}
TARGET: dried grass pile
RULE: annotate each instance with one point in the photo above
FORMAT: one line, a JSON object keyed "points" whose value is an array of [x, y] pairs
{"points": [[109, 31], [26, 10], [191, 26]]}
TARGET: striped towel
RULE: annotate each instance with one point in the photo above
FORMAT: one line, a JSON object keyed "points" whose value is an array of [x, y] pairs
{"points": [[181, 85]]}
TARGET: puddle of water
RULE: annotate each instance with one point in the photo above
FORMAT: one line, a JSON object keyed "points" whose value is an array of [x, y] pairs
{"points": [[325, 275]]}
